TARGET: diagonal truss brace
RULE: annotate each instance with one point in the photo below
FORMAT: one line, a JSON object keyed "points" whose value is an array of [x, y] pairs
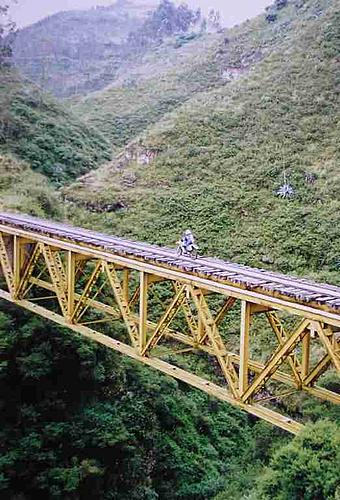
{"points": [[282, 337], [318, 370], [189, 317], [56, 276], [122, 303], [28, 271], [331, 345], [276, 360], [82, 304], [166, 319], [215, 340], [225, 308]]}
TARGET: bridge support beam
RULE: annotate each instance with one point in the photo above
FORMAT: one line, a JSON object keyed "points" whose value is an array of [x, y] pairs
{"points": [[143, 310], [244, 346], [174, 313], [71, 277]]}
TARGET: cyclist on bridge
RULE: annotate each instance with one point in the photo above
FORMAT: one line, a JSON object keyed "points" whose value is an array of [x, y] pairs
{"points": [[186, 245], [187, 240]]}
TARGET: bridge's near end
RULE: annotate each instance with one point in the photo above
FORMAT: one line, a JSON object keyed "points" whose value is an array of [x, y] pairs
{"points": [[177, 308]]}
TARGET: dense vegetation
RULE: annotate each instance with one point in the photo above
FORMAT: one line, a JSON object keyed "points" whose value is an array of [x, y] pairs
{"points": [[79, 421], [78, 51], [171, 73], [236, 142], [38, 129], [82, 422], [81, 51], [308, 467], [22, 189]]}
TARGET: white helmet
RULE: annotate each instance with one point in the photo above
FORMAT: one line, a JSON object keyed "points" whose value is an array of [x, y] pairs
{"points": [[187, 232]]}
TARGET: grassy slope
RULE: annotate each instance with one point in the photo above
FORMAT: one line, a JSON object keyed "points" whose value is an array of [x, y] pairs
{"points": [[22, 189], [172, 73], [36, 128], [144, 92], [221, 157], [78, 51], [224, 151]]}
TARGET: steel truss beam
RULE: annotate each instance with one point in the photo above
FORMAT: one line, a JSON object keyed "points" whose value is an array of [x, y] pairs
{"points": [[276, 360], [166, 319], [79, 289], [215, 340], [282, 337], [6, 265]]}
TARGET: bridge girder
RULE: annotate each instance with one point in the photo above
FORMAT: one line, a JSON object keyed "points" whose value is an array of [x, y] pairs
{"points": [[89, 287]]}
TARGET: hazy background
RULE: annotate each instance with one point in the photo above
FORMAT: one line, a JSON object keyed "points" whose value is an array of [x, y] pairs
{"points": [[233, 11]]}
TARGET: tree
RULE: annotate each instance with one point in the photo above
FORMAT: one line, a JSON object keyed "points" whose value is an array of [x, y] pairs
{"points": [[166, 20], [280, 4], [197, 16], [7, 30], [214, 19], [203, 27], [308, 467], [184, 18]]}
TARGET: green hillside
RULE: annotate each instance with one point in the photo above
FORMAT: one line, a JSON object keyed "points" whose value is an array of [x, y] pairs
{"points": [[79, 50], [23, 190], [168, 75], [203, 128], [221, 155], [142, 93], [36, 128]]}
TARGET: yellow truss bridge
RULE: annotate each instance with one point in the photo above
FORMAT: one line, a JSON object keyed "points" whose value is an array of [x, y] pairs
{"points": [[178, 309]]}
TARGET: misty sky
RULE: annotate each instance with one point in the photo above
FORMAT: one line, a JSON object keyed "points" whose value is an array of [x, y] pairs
{"points": [[233, 11]]}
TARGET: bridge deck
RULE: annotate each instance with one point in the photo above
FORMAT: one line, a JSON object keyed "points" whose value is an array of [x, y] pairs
{"points": [[294, 289], [95, 279]]}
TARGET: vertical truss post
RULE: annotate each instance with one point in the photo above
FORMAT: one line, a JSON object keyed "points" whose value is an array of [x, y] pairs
{"points": [[126, 277], [71, 270], [200, 324], [6, 266], [143, 310], [244, 345], [305, 355], [16, 264]]}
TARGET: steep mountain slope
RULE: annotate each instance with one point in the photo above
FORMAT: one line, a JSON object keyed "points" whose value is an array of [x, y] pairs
{"points": [[77, 51], [23, 190], [165, 77], [143, 92], [221, 156], [81, 421], [168, 75], [38, 129]]}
